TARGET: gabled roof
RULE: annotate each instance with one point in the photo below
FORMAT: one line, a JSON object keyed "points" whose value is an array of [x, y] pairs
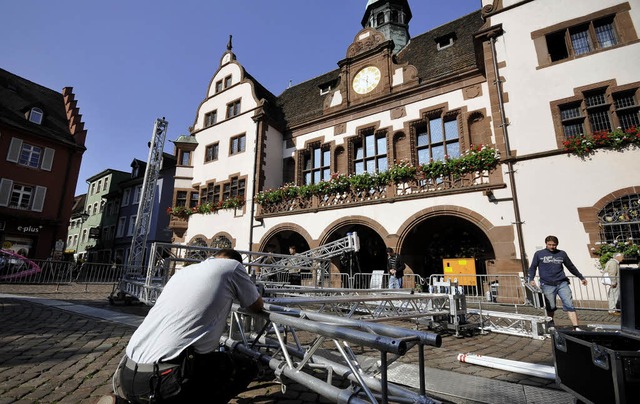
{"points": [[19, 95], [304, 101]]}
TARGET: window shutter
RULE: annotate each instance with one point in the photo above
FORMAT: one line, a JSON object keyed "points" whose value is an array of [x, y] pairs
{"points": [[5, 191], [47, 159], [14, 150], [38, 199]]}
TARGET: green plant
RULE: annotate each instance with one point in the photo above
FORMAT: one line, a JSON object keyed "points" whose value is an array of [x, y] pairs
{"points": [[584, 145], [477, 158], [606, 251], [206, 208]]}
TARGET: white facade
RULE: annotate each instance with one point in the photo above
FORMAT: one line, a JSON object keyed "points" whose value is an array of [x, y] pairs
{"points": [[483, 218]]}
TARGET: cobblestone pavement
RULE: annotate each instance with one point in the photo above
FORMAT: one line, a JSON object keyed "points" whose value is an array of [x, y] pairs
{"points": [[48, 355]]}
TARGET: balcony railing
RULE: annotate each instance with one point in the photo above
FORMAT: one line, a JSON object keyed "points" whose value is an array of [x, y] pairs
{"points": [[410, 189]]}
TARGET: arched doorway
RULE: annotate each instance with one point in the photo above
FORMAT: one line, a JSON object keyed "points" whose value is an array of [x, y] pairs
{"points": [[372, 255], [280, 242], [445, 236]]}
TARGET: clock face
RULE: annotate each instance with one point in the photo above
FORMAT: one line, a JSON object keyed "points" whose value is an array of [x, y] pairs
{"points": [[366, 79]]}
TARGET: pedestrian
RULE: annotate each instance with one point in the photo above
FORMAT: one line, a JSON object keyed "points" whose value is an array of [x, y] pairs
{"points": [[612, 270], [395, 267], [553, 281], [175, 356]]}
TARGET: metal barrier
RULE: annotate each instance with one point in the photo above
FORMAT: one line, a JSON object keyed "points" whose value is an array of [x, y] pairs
{"points": [[64, 272], [488, 289]]}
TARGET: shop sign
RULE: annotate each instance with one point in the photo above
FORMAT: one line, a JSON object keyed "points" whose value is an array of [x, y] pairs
{"points": [[29, 229]]}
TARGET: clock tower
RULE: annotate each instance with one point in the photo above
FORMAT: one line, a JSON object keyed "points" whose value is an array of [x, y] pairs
{"points": [[391, 18]]}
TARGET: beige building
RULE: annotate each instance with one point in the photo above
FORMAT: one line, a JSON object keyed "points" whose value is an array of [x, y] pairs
{"points": [[399, 142]]}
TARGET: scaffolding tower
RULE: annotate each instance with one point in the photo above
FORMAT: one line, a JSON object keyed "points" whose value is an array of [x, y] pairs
{"points": [[134, 267], [135, 260]]}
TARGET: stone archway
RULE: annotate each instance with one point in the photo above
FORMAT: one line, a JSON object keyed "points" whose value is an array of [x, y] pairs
{"points": [[443, 237]]}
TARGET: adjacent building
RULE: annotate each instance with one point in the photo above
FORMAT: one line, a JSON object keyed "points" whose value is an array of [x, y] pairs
{"points": [[460, 142], [42, 140], [129, 195]]}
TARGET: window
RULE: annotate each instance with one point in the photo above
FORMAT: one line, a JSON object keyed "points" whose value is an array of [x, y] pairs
{"points": [[21, 196], [234, 188], [437, 139], [620, 220], [181, 198], [227, 82], [370, 153], [35, 115], [445, 41], [126, 194], [210, 118], [237, 144], [380, 19], [211, 193], [185, 157], [95, 208], [194, 199], [627, 109], [594, 32], [132, 225], [316, 165], [211, 152], [122, 221], [598, 109], [137, 192], [30, 155], [218, 86], [106, 184], [233, 109], [582, 39]]}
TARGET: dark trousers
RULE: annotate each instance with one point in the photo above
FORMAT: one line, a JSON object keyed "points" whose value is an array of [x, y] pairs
{"points": [[214, 378]]}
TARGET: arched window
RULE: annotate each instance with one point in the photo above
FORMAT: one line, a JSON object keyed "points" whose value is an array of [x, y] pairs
{"points": [[620, 220], [35, 115], [380, 19], [197, 254], [221, 242], [395, 16]]}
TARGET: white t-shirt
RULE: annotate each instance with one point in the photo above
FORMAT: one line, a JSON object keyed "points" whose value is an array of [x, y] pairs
{"points": [[192, 310]]}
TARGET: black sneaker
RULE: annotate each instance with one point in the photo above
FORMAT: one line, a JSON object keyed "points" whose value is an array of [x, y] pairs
{"points": [[551, 325], [576, 328]]}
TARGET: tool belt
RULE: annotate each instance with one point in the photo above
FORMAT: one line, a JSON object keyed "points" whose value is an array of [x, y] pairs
{"points": [[154, 382]]}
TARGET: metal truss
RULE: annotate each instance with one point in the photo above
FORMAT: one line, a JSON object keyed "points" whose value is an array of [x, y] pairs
{"points": [[364, 304], [522, 325], [312, 348], [147, 195], [165, 259]]}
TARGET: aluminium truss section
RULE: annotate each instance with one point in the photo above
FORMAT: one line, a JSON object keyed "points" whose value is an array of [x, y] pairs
{"points": [[165, 259], [313, 348], [319, 255], [522, 325]]}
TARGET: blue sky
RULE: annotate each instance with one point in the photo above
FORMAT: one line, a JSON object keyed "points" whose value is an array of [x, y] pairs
{"points": [[132, 61]]}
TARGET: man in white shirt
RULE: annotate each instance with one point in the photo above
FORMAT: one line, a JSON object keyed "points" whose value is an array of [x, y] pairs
{"points": [[173, 356]]}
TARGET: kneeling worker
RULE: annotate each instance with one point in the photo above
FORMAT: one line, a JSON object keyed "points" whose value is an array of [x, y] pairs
{"points": [[173, 356]]}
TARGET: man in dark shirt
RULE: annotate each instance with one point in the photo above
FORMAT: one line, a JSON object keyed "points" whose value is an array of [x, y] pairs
{"points": [[553, 281], [395, 267]]}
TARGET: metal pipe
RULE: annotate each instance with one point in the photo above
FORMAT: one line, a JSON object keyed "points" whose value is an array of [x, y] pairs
{"points": [[423, 337], [341, 370], [512, 181], [531, 369], [378, 342]]}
